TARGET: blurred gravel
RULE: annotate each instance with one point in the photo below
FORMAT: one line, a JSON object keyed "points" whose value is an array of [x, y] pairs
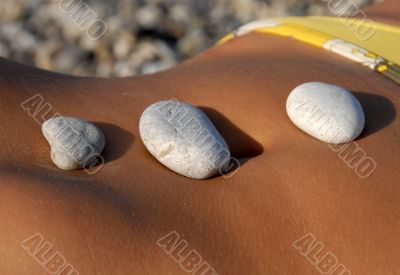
{"points": [[143, 36]]}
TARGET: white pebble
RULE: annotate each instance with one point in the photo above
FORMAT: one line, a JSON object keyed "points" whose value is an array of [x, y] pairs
{"points": [[183, 138], [327, 112], [75, 143]]}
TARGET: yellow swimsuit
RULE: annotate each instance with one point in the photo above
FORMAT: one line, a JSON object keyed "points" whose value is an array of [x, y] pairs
{"points": [[372, 44]]}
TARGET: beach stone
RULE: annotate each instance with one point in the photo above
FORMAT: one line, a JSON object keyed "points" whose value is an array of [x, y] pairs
{"points": [[75, 143], [183, 138], [327, 112]]}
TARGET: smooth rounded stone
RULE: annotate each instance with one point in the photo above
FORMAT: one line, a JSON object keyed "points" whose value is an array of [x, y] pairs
{"points": [[327, 112], [183, 138], [75, 143]]}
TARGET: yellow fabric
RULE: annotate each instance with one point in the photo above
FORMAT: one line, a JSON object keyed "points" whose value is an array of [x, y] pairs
{"points": [[385, 42], [350, 38], [300, 32], [226, 38]]}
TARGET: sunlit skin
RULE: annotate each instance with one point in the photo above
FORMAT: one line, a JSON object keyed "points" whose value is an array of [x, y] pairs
{"points": [[289, 184]]}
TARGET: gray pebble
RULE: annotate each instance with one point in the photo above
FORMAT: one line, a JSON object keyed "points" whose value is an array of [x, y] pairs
{"points": [[75, 143], [183, 138], [327, 112]]}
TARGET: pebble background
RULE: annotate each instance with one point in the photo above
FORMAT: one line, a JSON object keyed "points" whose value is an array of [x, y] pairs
{"points": [[144, 36]]}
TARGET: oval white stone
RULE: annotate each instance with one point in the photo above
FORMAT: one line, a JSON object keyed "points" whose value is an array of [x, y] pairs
{"points": [[74, 142], [183, 138], [327, 112]]}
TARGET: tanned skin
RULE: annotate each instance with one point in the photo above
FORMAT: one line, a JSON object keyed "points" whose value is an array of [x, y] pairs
{"points": [[289, 184]]}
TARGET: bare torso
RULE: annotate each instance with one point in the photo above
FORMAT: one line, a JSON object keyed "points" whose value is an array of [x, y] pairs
{"points": [[289, 184]]}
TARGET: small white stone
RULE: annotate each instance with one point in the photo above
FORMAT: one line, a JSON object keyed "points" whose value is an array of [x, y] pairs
{"points": [[183, 138], [75, 143], [327, 112]]}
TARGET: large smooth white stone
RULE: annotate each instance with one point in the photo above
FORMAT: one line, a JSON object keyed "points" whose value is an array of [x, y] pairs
{"points": [[182, 138], [74, 142], [327, 112]]}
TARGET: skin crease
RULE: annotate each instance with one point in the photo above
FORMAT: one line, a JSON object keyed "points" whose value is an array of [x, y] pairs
{"points": [[289, 184]]}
